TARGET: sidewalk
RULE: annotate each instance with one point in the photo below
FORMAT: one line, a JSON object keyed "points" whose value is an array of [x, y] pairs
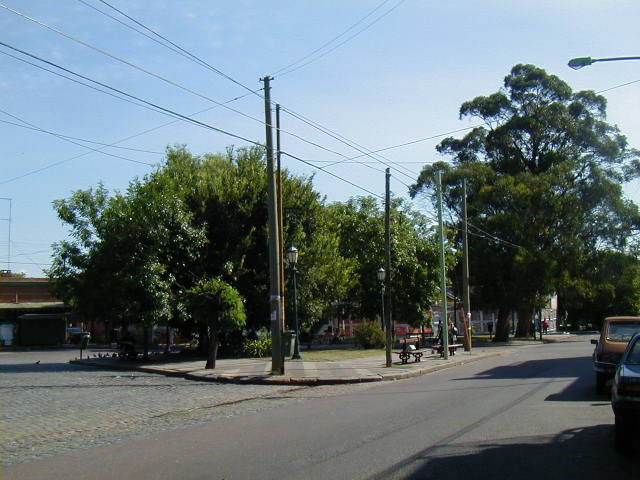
{"points": [[300, 372]]}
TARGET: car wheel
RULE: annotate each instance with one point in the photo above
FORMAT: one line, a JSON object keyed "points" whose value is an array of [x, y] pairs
{"points": [[601, 382], [623, 438]]}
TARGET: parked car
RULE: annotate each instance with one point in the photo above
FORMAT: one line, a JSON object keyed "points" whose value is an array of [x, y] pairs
{"points": [[616, 333], [74, 334], [625, 395]]}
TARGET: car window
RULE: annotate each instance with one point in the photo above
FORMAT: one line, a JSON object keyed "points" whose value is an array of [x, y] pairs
{"points": [[634, 353], [622, 332]]}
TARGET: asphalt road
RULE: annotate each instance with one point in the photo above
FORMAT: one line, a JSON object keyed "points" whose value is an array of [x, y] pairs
{"points": [[532, 414]]}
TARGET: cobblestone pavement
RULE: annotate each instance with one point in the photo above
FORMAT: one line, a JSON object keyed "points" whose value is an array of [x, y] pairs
{"points": [[52, 408]]}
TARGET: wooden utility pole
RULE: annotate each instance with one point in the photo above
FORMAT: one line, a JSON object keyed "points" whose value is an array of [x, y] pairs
{"points": [[277, 361], [280, 221], [444, 322], [387, 277], [466, 303]]}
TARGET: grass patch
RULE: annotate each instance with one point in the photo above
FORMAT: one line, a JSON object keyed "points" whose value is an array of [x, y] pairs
{"points": [[339, 354]]}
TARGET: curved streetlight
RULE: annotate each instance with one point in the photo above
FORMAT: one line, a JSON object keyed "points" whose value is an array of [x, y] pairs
{"points": [[292, 258], [578, 63]]}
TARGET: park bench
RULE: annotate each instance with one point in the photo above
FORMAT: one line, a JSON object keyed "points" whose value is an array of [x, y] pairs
{"points": [[452, 348], [407, 352]]}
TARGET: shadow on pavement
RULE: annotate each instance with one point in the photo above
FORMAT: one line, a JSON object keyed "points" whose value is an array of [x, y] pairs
{"points": [[569, 367], [583, 389], [582, 453], [44, 367]]}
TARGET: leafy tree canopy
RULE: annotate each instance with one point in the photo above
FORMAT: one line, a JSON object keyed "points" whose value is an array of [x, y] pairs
{"points": [[545, 174]]}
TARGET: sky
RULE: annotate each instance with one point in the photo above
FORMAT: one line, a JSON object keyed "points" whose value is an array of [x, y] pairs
{"points": [[377, 73]]}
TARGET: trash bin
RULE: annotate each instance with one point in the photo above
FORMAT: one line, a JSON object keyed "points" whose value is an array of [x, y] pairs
{"points": [[288, 342]]}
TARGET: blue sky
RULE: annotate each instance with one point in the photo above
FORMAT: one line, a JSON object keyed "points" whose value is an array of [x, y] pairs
{"points": [[400, 80]]}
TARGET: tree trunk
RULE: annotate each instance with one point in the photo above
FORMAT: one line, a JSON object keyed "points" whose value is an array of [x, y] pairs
{"points": [[213, 348], [203, 339], [502, 326], [145, 342], [525, 322], [167, 346]]}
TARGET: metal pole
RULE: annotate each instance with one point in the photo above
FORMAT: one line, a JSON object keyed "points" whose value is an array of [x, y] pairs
{"points": [[277, 361], [466, 302], [280, 221], [387, 277], [384, 323], [296, 347], [443, 275]]}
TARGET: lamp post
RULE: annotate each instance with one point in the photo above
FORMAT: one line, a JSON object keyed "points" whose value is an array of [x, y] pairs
{"points": [[381, 276], [292, 257], [578, 63]]}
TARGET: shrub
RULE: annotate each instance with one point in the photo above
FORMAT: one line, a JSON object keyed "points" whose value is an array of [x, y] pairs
{"points": [[370, 335], [257, 348]]}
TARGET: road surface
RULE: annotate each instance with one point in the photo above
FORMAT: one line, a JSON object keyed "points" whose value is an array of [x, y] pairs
{"points": [[531, 414]]}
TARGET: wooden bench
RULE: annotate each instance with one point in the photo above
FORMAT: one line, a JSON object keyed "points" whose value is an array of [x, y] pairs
{"points": [[452, 349], [406, 353]]}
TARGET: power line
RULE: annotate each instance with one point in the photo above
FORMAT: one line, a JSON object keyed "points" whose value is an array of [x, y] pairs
{"points": [[66, 139], [411, 142], [403, 183], [112, 95], [340, 138], [29, 263], [78, 81], [131, 64], [161, 109], [59, 135], [332, 40], [327, 52], [332, 174], [157, 108], [155, 75], [618, 86], [189, 54], [493, 237], [203, 63]]}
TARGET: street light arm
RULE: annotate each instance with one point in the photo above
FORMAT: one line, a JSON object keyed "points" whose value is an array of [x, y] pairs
{"points": [[577, 63]]}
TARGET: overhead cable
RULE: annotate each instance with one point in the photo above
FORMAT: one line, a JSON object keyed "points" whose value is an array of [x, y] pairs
{"points": [[161, 109], [59, 135], [332, 174], [327, 52], [380, 5]]}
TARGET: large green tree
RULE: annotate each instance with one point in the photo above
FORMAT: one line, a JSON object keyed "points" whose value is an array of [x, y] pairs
{"points": [[544, 174], [360, 222], [129, 257], [228, 194], [132, 256]]}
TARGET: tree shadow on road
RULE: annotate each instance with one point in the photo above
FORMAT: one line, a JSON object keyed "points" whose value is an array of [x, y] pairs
{"points": [[581, 453], [44, 367], [568, 367], [580, 390]]}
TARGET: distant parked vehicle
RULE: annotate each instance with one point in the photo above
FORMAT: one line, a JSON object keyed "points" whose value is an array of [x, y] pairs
{"points": [[616, 333], [74, 334], [625, 395]]}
